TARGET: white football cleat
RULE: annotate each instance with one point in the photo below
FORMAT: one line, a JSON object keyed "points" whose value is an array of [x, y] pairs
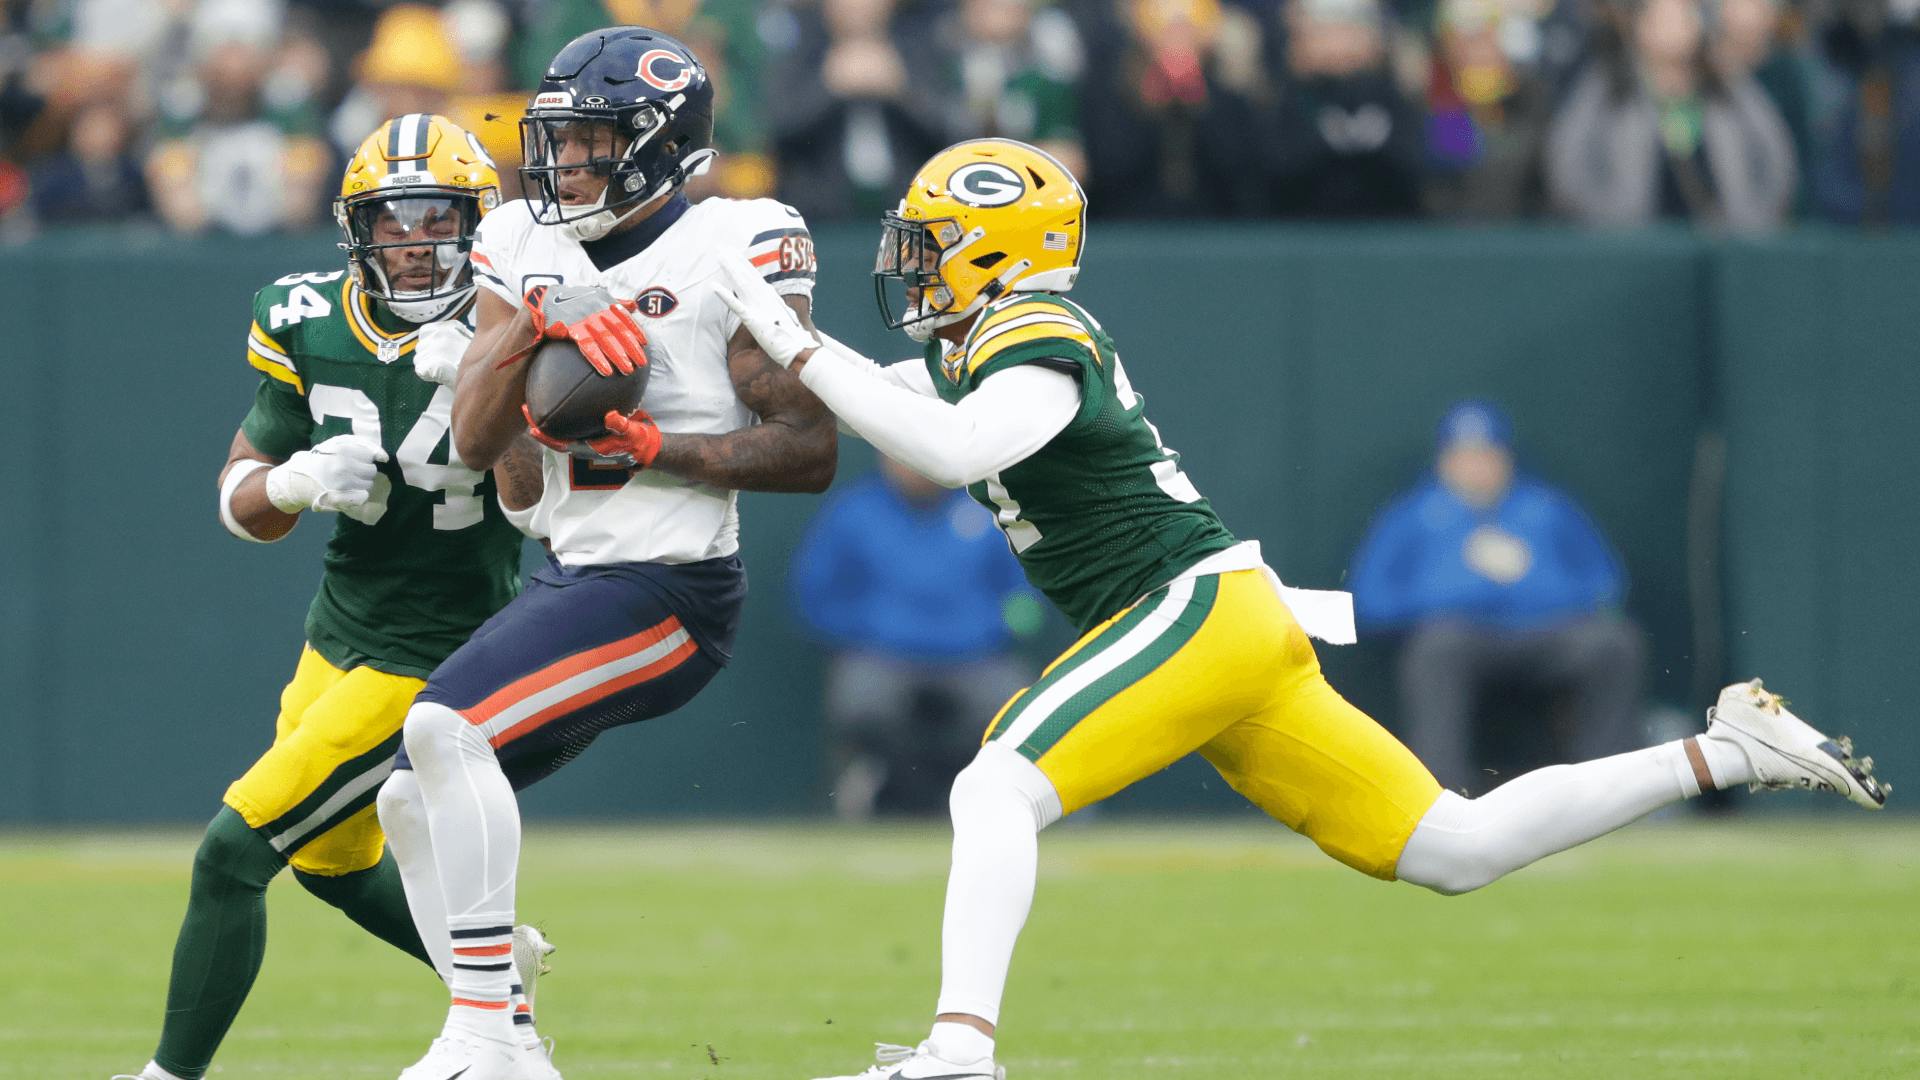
{"points": [[530, 951], [454, 1057], [1786, 752], [921, 1063], [150, 1071], [536, 1063]]}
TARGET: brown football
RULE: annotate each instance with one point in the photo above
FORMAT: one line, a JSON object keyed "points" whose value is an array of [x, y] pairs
{"points": [[569, 400]]}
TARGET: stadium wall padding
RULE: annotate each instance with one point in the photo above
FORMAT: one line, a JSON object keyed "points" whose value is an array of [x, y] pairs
{"points": [[1299, 372]]}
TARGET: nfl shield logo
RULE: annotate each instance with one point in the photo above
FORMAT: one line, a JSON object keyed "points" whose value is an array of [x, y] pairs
{"points": [[389, 351]]}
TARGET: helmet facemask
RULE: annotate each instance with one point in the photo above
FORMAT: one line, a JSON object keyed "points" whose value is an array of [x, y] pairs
{"points": [[919, 254], [544, 134], [411, 248]]}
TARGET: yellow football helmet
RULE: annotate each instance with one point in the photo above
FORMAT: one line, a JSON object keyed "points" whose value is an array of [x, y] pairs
{"points": [[982, 218], [409, 203]]}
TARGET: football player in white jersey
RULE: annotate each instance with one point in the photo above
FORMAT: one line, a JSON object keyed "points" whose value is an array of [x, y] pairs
{"points": [[637, 610]]}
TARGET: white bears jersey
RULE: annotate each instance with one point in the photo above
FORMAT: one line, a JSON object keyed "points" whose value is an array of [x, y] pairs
{"points": [[593, 514]]}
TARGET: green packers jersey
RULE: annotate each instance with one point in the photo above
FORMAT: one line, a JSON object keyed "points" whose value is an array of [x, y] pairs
{"points": [[401, 593], [1102, 514]]}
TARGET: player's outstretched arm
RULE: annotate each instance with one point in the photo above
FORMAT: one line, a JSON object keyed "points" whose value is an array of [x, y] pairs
{"points": [[491, 389], [795, 447], [244, 507]]}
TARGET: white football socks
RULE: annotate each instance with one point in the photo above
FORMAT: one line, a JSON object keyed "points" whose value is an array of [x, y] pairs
{"points": [[474, 823], [961, 1044], [403, 817], [999, 805], [1462, 844]]}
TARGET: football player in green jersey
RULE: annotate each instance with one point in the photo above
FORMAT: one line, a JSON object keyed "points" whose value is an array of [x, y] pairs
{"points": [[346, 420], [1190, 644]]}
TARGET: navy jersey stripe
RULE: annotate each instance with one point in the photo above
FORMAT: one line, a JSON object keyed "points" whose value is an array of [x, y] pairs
{"points": [[775, 234], [791, 275]]}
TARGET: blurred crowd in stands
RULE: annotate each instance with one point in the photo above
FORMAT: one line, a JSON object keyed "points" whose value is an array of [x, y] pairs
{"points": [[235, 115]]}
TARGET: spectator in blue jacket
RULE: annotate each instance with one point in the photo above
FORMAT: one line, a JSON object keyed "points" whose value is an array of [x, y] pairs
{"points": [[915, 593], [1497, 581]]}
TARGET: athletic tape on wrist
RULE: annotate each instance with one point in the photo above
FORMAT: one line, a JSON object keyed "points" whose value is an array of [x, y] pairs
{"points": [[240, 471]]}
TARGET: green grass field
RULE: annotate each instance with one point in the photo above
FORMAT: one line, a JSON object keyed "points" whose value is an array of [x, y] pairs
{"points": [[1682, 950]]}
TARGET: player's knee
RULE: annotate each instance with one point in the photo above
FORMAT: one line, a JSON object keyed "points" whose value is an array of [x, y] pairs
{"points": [[232, 855], [434, 732], [1452, 850], [399, 802], [1462, 875], [1000, 777]]}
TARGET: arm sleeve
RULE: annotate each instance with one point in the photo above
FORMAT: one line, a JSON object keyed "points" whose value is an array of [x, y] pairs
{"points": [[910, 374], [1014, 412]]}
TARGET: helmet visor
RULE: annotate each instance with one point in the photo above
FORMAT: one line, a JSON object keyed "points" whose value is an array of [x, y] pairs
{"points": [[413, 245], [906, 271]]}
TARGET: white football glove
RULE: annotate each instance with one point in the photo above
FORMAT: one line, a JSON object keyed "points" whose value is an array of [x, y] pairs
{"points": [[339, 474], [760, 309], [442, 345]]}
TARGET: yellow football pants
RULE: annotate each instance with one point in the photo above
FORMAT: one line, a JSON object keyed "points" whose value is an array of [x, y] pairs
{"points": [[1218, 665], [311, 794]]}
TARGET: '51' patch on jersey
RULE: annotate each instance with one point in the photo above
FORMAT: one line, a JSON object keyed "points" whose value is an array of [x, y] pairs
{"points": [[656, 302], [783, 254]]}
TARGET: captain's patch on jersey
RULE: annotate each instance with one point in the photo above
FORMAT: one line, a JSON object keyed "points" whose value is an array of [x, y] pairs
{"points": [[783, 254], [656, 301]]}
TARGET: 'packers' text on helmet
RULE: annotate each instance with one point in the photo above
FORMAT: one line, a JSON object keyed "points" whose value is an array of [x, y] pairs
{"points": [[982, 218], [409, 203]]}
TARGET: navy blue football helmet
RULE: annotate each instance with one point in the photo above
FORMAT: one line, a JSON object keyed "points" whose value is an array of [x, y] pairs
{"points": [[640, 105]]}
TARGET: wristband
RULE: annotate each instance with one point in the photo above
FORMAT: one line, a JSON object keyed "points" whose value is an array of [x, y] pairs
{"points": [[241, 470]]}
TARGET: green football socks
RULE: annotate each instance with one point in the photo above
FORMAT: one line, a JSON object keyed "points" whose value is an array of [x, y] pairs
{"points": [[224, 936], [375, 899], [221, 943]]}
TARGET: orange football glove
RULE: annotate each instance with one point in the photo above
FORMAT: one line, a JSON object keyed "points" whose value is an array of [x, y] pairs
{"points": [[542, 437], [605, 327], [632, 439]]}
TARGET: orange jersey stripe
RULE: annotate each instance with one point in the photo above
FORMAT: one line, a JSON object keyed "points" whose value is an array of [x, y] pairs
{"points": [[484, 950], [481, 259], [472, 1004], [606, 689], [762, 260], [556, 673]]}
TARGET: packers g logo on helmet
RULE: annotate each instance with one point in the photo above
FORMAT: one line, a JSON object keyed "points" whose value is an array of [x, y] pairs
{"points": [[981, 219], [986, 183], [409, 203]]}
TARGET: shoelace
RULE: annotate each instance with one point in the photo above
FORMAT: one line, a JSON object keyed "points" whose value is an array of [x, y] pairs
{"points": [[893, 1053]]}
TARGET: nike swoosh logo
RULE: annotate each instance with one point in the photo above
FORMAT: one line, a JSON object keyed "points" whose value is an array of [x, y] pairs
{"points": [[461, 1073], [900, 1074]]}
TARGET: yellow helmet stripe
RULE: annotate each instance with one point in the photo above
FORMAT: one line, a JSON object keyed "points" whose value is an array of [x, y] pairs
{"points": [[1075, 334]]}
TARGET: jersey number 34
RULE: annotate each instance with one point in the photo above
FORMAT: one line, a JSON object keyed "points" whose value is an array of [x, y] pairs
{"points": [[459, 506]]}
